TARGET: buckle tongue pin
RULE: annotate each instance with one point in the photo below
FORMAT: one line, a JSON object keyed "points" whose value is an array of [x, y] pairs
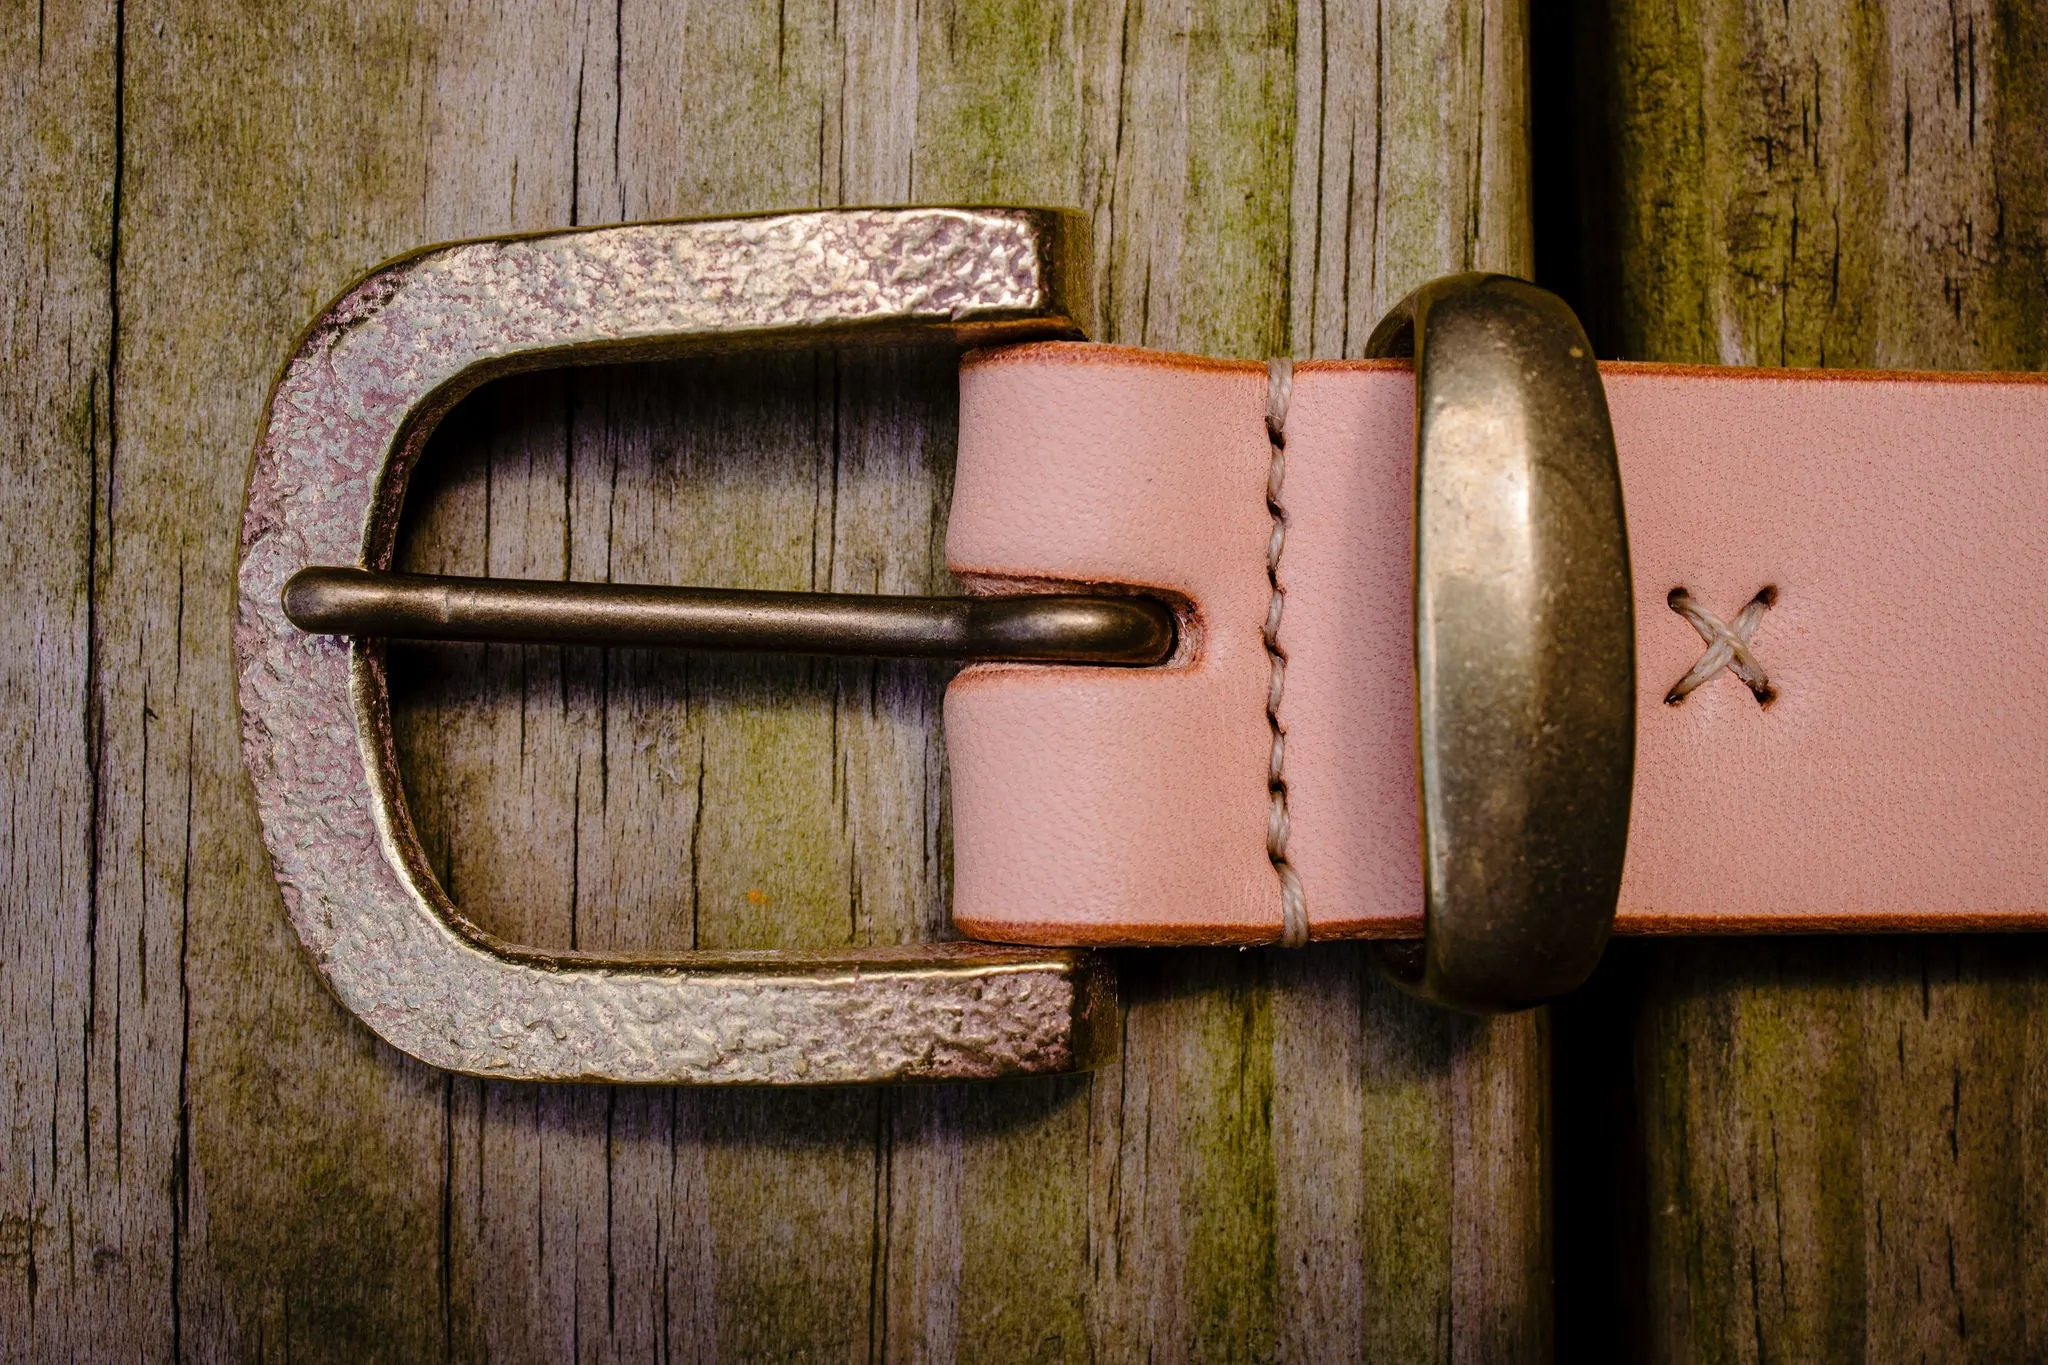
{"points": [[1066, 628]]}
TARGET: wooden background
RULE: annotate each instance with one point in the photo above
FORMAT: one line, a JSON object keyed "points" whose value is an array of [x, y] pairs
{"points": [[1762, 1150]]}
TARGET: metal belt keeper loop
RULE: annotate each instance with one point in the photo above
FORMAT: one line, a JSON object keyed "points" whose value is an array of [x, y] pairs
{"points": [[346, 422], [1524, 644]]}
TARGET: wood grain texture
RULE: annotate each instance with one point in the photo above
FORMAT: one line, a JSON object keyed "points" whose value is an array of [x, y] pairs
{"points": [[83, 1201], [1827, 1149], [207, 1159]]}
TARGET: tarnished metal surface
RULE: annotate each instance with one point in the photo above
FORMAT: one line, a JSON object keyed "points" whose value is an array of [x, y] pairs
{"points": [[1524, 643], [1067, 628], [346, 421]]}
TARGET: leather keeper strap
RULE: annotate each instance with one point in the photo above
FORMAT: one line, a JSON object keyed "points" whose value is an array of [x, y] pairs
{"points": [[1896, 779]]}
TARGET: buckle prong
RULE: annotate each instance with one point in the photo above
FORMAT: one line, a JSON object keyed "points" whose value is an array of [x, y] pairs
{"points": [[1066, 628]]}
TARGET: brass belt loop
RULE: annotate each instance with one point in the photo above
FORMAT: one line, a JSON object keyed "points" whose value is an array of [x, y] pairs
{"points": [[1525, 670]]}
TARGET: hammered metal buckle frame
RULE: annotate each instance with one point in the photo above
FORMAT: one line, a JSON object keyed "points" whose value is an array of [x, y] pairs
{"points": [[346, 422]]}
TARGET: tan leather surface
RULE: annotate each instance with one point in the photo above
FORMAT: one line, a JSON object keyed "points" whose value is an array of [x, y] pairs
{"points": [[1895, 782]]}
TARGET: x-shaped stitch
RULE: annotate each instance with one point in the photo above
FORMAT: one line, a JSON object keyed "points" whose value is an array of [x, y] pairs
{"points": [[1727, 645]]}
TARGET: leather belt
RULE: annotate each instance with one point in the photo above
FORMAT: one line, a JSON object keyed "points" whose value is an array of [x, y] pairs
{"points": [[1215, 712], [1893, 780]]}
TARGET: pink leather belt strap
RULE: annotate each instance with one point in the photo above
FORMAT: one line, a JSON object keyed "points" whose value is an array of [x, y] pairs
{"points": [[1897, 779]]}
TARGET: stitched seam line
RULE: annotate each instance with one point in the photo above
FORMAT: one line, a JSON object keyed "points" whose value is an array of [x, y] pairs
{"points": [[1293, 904]]}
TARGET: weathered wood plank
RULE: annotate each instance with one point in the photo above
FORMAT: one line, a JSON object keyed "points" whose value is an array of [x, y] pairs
{"points": [[84, 1190], [1828, 185], [1290, 1160], [1835, 1141]]}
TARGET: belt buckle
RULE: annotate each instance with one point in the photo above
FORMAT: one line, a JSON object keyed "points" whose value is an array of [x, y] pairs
{"points": [[346, 421]]}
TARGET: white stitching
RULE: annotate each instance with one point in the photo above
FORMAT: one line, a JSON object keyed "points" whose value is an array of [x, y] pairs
{"points": [[1293, 904], [1727, 645]]}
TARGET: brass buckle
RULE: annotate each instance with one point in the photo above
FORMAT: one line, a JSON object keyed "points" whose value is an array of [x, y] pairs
{"points": [[347, 420], [1525, 664]]}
